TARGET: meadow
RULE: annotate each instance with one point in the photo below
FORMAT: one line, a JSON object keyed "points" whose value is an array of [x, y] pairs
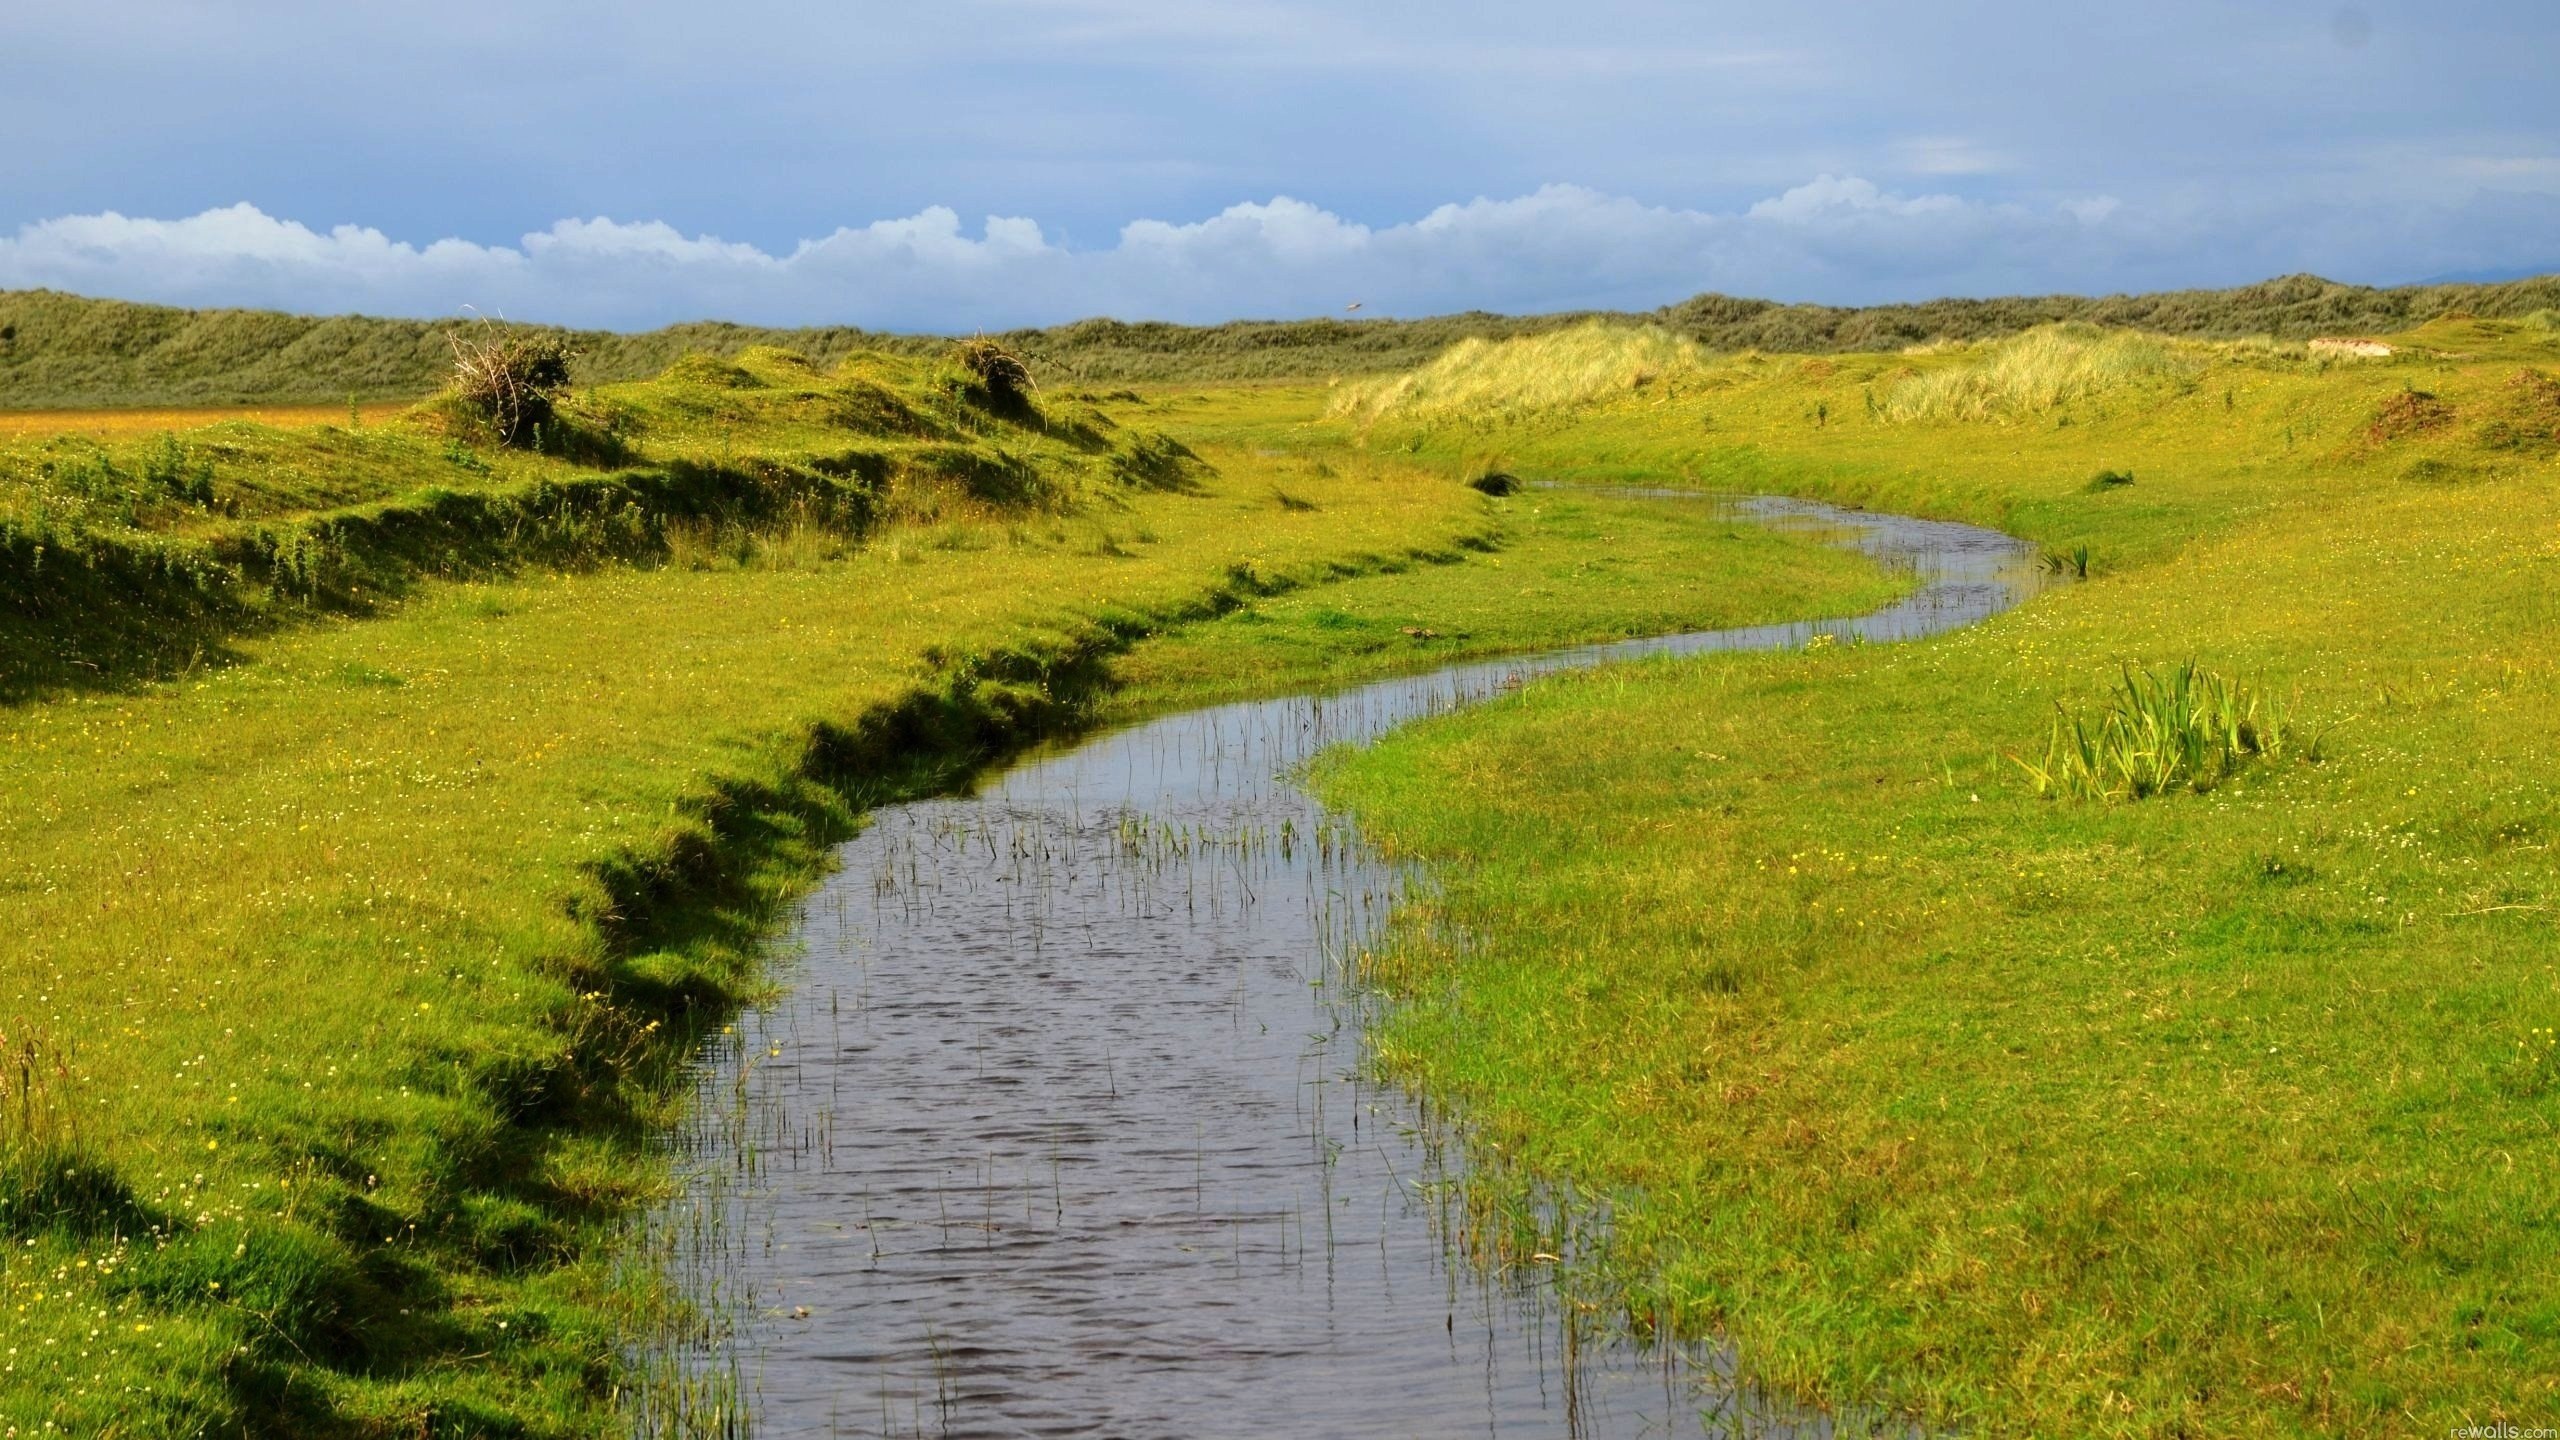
{"points": [[372, 875], [2225, 1106], [391, 810]]}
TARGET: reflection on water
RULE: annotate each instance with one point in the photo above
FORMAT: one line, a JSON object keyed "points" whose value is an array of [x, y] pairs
{"points": [[1063, 1128]]}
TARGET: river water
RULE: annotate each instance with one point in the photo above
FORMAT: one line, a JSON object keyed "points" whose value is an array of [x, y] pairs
{"points": [[1063, 1127]]}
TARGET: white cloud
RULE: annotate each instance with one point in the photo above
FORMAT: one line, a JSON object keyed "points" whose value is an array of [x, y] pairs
{"points": [[1838, 238], [1284, 232], [601, 239], [1836, 196]]}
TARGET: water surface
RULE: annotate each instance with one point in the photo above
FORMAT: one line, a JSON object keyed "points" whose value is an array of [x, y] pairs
{"points": [[1064, 1129]]}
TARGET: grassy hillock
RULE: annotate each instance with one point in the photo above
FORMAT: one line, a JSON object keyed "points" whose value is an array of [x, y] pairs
{"points": [[2044, 370], [2212, 1095], [61, 351], [1593, 362], [131, 557]]}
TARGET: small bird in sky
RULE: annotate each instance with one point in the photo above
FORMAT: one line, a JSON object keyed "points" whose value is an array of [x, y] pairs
{"points": [[1353, 306]]}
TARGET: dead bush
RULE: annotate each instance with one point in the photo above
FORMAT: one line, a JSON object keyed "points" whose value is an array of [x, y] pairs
{"points": [[1006, 378], [510, 380]]}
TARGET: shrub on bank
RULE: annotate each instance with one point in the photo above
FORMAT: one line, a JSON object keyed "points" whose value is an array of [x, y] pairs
{"points": [[510, 381]]}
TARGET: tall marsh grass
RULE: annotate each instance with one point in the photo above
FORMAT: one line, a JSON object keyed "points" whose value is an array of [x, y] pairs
{"points": [[2191, 728], [2040, 371], [1589, 364]]}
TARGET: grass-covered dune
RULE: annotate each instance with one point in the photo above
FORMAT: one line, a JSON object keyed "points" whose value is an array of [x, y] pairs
{"points": [[2226, 1105], [63, 351], [386, 812]]}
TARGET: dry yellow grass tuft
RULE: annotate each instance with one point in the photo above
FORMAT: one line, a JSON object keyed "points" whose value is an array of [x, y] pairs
{"points": [[2037, 372], [1586, 365]]}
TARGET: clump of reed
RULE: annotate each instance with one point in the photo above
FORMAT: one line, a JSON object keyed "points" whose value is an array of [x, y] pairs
{"points": [[2037, 372], [1588, 364], [2191, 729]]}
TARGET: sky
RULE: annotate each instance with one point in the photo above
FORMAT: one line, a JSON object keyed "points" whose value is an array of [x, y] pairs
{"points": [[988, 163]]}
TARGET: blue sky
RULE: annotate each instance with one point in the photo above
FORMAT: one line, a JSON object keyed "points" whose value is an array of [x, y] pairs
{"points": [[992, 162]]}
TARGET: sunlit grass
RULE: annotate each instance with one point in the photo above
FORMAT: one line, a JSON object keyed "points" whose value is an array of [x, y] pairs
{"points": [[2038, 372], [1572, 567], [1591, 362], [343, 943], [129, 558], [357, 1058], [352, 966], [2183, 1117]]}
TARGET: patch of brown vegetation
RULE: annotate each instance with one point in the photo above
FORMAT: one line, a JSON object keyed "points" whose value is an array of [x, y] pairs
{"points": [[1006, 378], [2411, 412], [510, 380]]}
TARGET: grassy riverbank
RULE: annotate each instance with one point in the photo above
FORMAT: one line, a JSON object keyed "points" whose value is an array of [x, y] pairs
{"points": [[369, 874], [2224, 1113], [1573, 567]]}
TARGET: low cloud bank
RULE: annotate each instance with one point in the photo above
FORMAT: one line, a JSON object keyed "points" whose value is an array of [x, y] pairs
{"points": [[1835, 238]]}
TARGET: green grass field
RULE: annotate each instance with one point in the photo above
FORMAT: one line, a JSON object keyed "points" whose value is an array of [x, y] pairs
{"points": [[2219, 1113], [355, 950], [388, 811]]}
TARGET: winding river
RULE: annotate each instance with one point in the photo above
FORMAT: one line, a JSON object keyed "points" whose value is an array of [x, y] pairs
{"points": [[1063, 1127]]}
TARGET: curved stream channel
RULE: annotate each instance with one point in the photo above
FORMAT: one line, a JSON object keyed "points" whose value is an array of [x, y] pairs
{"points": [[1064, 1127]]}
